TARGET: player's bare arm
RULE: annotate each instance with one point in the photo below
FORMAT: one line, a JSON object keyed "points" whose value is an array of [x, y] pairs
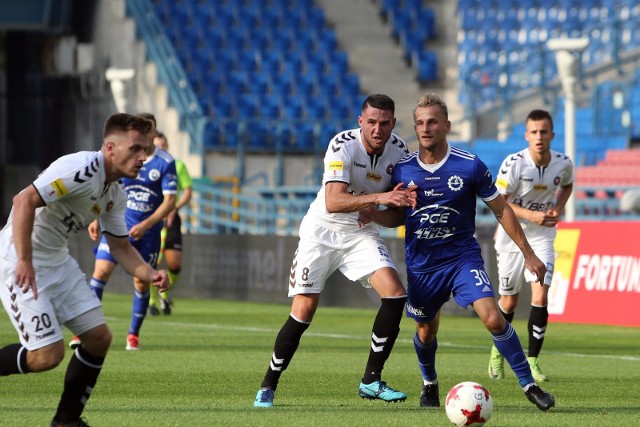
{"points": [[165, 208], [508, 220], [390, 217], [129, 258], [537, 217], [184, 200], [24, 207], [339, 200]]}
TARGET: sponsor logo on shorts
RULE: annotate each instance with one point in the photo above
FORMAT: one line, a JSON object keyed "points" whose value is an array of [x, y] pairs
{"points": [[306, 285], [104, 247], [43, 336], [414, 310]]}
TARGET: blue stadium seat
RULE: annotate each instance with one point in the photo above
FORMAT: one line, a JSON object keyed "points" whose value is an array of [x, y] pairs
{"points": [[303, 137], [315, 108], [263, 64]]}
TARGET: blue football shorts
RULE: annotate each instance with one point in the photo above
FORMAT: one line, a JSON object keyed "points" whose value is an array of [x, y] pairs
{"points": [[465, 278], [148, 247]]}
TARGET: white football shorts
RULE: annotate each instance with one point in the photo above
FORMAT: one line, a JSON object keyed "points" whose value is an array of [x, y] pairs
{"points": [[321, 251], [513, 275], [63, 296]]}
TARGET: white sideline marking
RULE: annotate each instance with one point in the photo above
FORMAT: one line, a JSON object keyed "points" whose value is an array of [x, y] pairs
{"points": [[368, 338]]}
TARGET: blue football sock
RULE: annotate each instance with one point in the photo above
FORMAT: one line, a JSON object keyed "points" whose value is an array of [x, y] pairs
{"points": [[508, 344], [97, 286], [426, 358], [139, 311]]}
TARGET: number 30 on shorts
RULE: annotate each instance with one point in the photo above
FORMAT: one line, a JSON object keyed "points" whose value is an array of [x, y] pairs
{"points": [[481, 277]]}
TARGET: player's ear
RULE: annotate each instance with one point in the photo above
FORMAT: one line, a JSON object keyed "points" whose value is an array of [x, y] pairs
{"points": [[108, 146]]}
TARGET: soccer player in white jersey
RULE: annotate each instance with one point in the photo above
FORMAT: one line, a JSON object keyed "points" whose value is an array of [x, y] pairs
{"points": [[42, 287], [537, 183], [442, 255], [150, 197], [357, 171]]}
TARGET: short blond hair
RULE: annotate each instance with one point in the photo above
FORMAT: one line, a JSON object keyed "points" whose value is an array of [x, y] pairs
{"points": [[430, 100]]}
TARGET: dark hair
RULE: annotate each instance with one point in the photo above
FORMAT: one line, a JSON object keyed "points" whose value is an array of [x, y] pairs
{"points": [[149, 116], [379, 101], [429, 100], [537, 115], [122, 122]]}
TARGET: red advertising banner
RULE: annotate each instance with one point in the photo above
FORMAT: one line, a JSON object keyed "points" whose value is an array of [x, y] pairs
{"points": [[596, 278]]}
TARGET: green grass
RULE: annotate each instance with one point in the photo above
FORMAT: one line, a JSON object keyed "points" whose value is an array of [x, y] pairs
{"points": [[202, 366]]}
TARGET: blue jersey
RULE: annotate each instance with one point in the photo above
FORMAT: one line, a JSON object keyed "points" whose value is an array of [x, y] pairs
{"points": [[441, 228], [146, 191]]}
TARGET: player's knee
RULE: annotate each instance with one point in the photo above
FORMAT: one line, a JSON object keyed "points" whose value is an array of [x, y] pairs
{"points": [[103, 340], [101, 274], [494, 322], [98, 340], [426, 335], [507, 304]]}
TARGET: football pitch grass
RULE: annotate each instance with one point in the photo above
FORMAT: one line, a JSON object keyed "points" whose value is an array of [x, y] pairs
{"points": [[203, 365]]}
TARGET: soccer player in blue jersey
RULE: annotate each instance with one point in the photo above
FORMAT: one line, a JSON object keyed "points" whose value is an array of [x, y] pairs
{"points": [[442, 255], [151, 197]]}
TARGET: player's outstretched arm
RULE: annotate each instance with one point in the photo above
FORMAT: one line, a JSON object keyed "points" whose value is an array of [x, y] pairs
{"points": [[508, 220], [339, 200], [390, 217], [129, 258]]}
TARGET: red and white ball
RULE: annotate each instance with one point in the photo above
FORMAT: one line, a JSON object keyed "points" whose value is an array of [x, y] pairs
{"points": [[469, 404]]}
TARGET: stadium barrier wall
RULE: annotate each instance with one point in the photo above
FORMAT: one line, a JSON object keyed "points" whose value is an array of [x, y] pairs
{"points": [[256, 268], [597, 274]]}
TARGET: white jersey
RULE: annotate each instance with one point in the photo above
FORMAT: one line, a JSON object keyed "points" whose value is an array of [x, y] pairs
{"points": [[346, 160], [532, 187], [75, 193]]}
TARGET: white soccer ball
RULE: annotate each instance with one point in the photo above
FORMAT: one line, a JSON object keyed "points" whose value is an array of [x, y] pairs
{"points": [[469, 404]]}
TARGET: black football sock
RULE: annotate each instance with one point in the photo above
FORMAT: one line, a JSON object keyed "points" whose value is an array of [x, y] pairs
{"points": [[538, 318], [82, 374], [385, 330], [284, 348], [507, 316], [13, 360]]}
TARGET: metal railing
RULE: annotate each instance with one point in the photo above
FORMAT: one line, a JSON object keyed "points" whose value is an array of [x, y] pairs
{"points": [[161, 51], [218, 208]]}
